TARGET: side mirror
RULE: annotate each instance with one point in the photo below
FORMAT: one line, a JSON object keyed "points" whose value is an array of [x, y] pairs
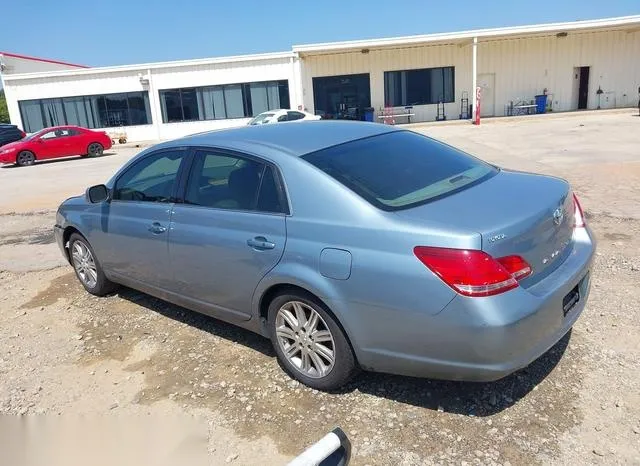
{"points": [[40, 140], [98, 193]]}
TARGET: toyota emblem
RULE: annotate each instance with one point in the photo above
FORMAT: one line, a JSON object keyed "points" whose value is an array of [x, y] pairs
{"points": [[558, 216]]}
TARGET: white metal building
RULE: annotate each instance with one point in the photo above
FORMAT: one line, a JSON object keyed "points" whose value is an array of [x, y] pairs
{"points": [[578, 65]]}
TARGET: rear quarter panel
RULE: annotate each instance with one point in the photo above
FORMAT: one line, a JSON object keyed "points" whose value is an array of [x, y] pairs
{"points": [[386, 280]]}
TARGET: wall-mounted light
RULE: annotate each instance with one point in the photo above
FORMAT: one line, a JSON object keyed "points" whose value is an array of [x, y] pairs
{"points": [[144, 79]]}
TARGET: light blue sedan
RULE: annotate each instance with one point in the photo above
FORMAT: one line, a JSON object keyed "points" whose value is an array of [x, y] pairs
{"points": [[349, 245]]}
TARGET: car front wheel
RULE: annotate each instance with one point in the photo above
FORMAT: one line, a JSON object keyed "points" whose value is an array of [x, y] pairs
{"points": [[309, 342], [87, 267], [25, 158]]}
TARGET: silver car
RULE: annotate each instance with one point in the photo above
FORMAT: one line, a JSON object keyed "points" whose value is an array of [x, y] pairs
{"points": [[349, 245]]}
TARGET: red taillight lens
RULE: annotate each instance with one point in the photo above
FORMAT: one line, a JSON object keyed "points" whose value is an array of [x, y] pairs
{"points": [[516, 266], [578, 214], [473, 272]]}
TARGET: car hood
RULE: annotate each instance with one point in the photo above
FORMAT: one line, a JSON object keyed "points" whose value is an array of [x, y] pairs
{"points": [[12, 145]]}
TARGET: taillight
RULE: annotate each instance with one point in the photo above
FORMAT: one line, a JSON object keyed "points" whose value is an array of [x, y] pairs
{"points": [[474, 273], [577, 213], [516, 266]]}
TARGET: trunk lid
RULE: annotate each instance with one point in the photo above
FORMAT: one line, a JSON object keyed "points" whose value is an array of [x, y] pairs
{"points": [[515, 214]]}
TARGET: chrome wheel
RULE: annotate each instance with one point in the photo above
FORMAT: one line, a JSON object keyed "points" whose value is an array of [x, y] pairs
{"points": [[84, 264], [305, 339]]}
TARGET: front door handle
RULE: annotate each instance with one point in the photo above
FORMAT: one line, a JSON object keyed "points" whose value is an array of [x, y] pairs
{"points": [[260, 243], [156, 228]]}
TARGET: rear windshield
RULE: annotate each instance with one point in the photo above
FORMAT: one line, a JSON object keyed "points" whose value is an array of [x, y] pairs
{"points": [[400, 170]]}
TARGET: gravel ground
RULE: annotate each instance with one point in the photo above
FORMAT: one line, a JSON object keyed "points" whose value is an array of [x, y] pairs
{"points": [[132, 357]]}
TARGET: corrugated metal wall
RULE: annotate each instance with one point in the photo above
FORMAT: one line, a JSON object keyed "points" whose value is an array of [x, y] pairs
{"points": [[523, 68], [376, 62]]}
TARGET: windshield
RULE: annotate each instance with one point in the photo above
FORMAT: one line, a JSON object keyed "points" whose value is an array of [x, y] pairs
{"points": [[262, 118], [400, 170], [36, 134]]}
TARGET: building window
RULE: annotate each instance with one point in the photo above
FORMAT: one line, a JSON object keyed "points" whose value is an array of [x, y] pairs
{"points": [[342, 97], [93, 111], [419, 87], [223, 102]]}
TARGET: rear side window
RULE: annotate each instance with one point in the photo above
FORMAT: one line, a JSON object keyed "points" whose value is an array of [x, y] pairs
{"points": [[228, 182], [292, 116], [400, 170]]}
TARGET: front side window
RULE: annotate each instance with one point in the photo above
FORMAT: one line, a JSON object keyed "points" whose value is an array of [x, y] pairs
{"points": [[228, 182], [401, 169], [262, 119], [49, 135], [419, 87], [152, 179]]}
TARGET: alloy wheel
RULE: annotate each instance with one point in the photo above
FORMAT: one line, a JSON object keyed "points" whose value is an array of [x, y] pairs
{"points": [[305, 339], [95, 149], [84, 264], [25, 158]]}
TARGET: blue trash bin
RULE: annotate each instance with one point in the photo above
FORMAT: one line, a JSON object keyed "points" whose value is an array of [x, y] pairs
{"points": [[368, 114], [541, 103]]}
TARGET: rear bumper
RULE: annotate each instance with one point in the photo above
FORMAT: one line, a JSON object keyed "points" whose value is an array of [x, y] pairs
{"points": [[483, 339]]}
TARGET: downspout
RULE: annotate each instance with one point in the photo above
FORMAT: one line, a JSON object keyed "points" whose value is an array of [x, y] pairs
{"points": [[474, 75]]}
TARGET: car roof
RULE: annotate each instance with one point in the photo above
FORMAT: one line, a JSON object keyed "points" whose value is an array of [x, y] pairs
{"points": [[299, 139], [53, 128]]}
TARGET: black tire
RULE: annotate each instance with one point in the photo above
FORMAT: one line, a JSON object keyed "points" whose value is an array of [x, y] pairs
{"points": [[95, 149], [345, 365], [25, 158], [102, 285]]}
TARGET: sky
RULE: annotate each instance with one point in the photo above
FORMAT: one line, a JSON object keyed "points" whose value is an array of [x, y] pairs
{"points": [[117, 32]]}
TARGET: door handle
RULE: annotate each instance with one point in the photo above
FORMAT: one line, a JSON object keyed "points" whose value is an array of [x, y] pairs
{"points": [[260, 243], [156, 228]]}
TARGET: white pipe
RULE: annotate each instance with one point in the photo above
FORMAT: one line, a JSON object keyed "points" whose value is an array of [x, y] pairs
{"points": [[317, 452], [474, 75]]}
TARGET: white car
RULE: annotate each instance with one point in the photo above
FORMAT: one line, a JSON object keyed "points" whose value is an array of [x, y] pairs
{"points": [[277, 116]]}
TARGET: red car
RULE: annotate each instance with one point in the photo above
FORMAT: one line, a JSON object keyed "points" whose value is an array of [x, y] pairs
{"points": [[51, 143]]}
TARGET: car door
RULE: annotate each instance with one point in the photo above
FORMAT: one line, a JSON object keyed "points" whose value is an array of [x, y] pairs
{"points": [[49, 145], [135, 223], [228, 233], [76, 142]]}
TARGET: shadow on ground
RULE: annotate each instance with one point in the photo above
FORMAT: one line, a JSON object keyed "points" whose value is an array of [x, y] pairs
{"points": [[63, 159], [467, 398]]}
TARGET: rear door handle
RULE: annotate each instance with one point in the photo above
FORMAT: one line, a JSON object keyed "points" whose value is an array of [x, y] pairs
{"points": [[260, 243], [156, 228]]}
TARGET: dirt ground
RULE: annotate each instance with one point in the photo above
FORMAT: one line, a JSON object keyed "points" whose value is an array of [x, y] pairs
{"points": [[175, 387]]}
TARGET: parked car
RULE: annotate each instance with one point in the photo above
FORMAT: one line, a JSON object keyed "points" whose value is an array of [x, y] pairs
{"points": [[10, 133], [278, 116], [351, 245], [51, 143]]}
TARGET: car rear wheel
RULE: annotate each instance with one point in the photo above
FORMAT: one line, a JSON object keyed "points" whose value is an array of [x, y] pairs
{"points": [[309, 342], [95, 149], [87, 267], [25, 158]]}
